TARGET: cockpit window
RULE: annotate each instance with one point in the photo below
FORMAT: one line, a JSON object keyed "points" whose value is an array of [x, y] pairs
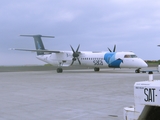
{"points": [[130, 56]]}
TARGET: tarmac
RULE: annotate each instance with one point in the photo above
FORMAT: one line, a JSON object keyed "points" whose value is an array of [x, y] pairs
{"points": [[72, 95]]}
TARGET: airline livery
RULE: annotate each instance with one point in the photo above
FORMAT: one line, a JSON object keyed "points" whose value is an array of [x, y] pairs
{"points": [[108, 59]]}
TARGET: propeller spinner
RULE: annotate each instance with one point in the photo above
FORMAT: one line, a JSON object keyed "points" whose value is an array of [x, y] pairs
{"points": [[75, 55]]}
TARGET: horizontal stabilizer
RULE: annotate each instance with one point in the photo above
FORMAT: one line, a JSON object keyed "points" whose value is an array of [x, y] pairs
{"points": [[37, 36], [50, 51]]}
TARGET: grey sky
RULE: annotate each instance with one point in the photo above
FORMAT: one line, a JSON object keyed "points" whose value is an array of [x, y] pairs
{"points": [[133, 25]]}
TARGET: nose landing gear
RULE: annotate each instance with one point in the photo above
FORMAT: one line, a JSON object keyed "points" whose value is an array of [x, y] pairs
{"points": [[137, 70]]}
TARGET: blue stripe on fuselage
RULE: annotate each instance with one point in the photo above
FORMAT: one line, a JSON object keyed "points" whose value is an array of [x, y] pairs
{"points": [[108, 57], [111, 60]]}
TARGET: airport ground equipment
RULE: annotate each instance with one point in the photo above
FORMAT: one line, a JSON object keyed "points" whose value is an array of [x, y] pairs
{"points": [[144, 71], [146, 101]]}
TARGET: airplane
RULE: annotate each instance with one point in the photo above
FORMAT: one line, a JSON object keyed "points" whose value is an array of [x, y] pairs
{"points": [[105, 59]]}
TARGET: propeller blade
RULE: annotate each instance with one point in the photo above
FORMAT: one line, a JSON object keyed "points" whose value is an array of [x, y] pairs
{"points": [[114, 49], [79, 61], [77, 48], [110, 50], [72, 49], [72, 62]]}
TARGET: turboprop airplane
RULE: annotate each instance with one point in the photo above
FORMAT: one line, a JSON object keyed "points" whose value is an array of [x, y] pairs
{"points": [[97, 60]]}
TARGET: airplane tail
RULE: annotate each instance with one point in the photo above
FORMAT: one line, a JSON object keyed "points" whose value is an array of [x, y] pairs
{"points": [[38, 42]]}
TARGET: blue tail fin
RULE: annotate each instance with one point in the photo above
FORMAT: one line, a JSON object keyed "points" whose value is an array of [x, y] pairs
{"points": [[38, 42]]}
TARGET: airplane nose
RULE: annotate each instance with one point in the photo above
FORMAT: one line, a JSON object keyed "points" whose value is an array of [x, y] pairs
{"points": [[143, 63], [140, 63]]}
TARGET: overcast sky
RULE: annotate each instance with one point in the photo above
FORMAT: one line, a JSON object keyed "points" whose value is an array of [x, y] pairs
{"points": [[133, 25]]}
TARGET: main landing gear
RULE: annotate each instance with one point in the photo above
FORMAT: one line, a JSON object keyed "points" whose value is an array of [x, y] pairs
{"points": [[59, 70], [96, 69], [137, 70]]}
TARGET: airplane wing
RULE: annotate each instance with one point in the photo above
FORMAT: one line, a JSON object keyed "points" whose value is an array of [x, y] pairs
{"points": [[50, 51]]}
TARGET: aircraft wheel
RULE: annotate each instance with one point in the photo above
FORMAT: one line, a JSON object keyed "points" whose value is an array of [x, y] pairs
{"points": [[137, 70], [96, 69], [59, 70]]}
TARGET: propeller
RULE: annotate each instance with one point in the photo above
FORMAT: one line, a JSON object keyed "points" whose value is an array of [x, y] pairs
{"points": [[114, 49], [75, 55]]}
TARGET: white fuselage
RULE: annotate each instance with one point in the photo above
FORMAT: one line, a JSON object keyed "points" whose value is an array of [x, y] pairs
{"points": [[98, 59]]}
